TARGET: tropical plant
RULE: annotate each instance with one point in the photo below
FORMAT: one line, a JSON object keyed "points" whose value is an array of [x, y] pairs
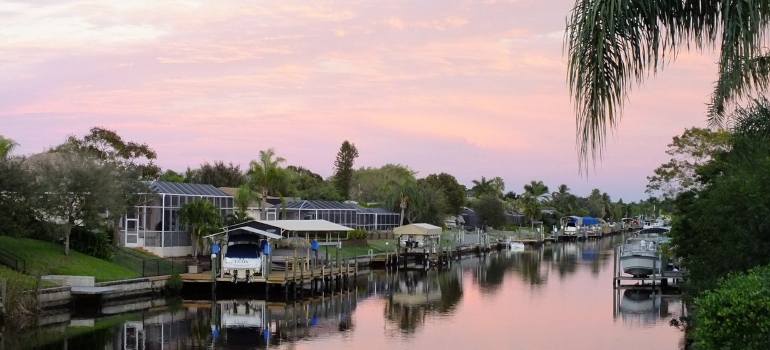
{"points": [[499, 185], [612, 45], [267, 174], [417, 201], [202, 218], [373, 184], [483, 187], [531, 207], [537, 190], [6, 146]]}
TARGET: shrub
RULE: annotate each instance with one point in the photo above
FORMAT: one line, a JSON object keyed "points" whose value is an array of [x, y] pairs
{"points": [[358, 234], [736, 314], [93, 242], [174, 284]]}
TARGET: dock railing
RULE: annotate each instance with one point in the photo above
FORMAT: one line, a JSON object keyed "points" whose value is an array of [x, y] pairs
{"points": [[518, 235]]}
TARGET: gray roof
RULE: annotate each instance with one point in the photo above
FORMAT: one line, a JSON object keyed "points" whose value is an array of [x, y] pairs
{"points": [[317, 205], [187, 189], [375, 210]]}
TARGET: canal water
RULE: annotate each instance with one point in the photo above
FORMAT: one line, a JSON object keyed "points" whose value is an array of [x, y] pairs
{"points": [[559, 296]]}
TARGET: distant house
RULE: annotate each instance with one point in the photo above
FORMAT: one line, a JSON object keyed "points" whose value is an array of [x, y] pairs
{"points": [[375, 219], [155, 224], [346, 214]]}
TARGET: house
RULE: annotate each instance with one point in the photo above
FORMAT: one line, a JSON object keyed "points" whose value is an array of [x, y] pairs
{"points": [[155, 223]]}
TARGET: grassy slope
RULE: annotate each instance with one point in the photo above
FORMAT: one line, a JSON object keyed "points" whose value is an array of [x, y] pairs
{"points": [[26, 282], [44, 258]]}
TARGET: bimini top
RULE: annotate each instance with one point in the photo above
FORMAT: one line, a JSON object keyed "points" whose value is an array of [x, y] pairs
{"points": [[417, 230]]}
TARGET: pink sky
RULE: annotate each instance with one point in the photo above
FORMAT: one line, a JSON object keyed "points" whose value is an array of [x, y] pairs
{"points": [[471, 88]]}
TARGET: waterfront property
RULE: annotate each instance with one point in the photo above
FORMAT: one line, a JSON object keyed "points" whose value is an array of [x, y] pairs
{"points": [[155, 224]]}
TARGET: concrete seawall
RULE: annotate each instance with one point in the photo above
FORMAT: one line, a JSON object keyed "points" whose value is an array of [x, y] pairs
{"points": [[57, 297]]}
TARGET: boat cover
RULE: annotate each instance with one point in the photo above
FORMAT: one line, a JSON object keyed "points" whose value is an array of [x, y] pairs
{"points": [[587, 220], [245, 251]]}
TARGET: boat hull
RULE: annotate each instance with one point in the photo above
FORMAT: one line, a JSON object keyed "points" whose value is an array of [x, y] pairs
{"points": [[640, 265]]}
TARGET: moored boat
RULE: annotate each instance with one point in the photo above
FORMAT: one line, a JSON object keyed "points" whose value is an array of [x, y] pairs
{"points": [[639, 256]]}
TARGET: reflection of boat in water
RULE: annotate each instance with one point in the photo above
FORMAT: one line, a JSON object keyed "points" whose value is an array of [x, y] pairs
{"points": [[639, 301], [413, 290], [240, 313], [516, 246]]}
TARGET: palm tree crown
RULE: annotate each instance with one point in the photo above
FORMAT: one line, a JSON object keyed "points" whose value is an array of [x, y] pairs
{"points": [[614, 44]]}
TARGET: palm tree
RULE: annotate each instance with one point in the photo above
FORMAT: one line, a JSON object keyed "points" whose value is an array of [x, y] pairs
{"points": [[612, 45], [537, 189], [6, 146], [482, 187], [266, 174], [531, 206], [202, 217], [608, 209], [499, 185]]}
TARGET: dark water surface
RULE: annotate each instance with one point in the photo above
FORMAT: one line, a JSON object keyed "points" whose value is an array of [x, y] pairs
{"points": [[559, 296]]}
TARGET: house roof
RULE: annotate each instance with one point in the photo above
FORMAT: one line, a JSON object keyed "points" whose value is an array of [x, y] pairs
{"points": [[417, 230], [304, 225], [375, 210], [317, 205], [187, 189]]}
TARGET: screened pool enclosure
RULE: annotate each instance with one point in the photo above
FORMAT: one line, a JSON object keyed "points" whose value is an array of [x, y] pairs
{"points": [[155, 224]]}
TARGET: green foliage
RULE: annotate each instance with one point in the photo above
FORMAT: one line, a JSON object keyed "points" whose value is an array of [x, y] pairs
{"points": [[375, 184], [483, 187], [107, 146], [203, 218], [613, 46], [93, 242], [19, 195], [417, 200], [490, 211], [537, 189], [736, 314], [221, 175], [174, 284], [6, 146], [723, 227], [358, 234], [695, 147], [343, 168], [453, 191], [45, 258], [171, 176]]}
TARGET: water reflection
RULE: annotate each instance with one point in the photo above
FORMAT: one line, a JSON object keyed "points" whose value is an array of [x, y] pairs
{"points": [[523, 293]]}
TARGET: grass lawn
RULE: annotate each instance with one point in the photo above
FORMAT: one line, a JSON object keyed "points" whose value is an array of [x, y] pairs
{"points": [[376, 245], [147, 264], [26, 282], [44, 258]]}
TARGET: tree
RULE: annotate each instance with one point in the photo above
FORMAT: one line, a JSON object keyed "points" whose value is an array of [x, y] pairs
{"points": [[343, 168], [483, 187], [244, 195], [372, 184], [202, 218], [563, 200], [612, 45], [537, 189], [171, 176], [221, 175], [267, 174], [453, 191], [417, 201], [79, 189], [6, 146], [695, 147], [19, 196], [499, 185], [722, 228], [531, 207], [490, 211], [133, 162]]}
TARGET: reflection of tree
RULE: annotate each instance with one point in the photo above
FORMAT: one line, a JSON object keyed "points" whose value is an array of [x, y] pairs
{"points": [[418, 294], [530, 268]]}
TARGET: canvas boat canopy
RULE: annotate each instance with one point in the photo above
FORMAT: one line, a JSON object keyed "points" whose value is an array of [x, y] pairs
{"points": [[417, 230], [305, 225]]}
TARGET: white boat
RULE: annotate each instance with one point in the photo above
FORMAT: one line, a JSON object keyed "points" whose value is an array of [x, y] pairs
{"points": [[639, 256], [242, 257], [516, 246]]}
